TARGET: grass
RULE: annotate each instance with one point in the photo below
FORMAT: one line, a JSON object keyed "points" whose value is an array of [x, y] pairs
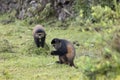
{"points": [[21, 60]]}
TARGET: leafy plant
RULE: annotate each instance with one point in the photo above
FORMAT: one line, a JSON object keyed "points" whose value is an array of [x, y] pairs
{"points": [[100, 13], [29, 48]]}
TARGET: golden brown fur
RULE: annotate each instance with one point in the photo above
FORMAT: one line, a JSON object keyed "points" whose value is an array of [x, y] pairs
{"points": [[65, 50]]}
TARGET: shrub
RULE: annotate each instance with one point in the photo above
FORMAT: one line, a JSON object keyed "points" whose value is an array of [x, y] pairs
{"points": [[29, 48], [100, 13]]}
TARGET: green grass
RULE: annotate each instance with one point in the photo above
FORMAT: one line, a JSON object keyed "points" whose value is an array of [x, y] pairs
{"points": [[21, 60]]}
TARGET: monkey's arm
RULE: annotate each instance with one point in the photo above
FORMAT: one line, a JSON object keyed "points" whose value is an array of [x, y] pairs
{"points": [[37, 42], [57, 53], [43, 42]]}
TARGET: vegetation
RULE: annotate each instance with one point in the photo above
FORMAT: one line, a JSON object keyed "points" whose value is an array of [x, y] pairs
{"points": [[95, 35]]}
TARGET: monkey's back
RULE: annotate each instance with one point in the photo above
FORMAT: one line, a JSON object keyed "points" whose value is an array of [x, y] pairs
{"points": [[70, 49]]}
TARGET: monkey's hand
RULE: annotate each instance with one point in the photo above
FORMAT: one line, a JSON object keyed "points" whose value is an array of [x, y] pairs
{"points": [[52, 53]]}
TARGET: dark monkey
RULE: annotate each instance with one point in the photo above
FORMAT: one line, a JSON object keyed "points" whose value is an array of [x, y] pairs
{"points": [[65, 50], [39, 35]]}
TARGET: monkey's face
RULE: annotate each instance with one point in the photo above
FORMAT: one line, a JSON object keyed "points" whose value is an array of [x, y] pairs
{"points": [[56, 43], [39, 35]]}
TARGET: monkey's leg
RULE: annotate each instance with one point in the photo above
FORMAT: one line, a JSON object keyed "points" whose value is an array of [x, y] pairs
{"points": [[61, 60], [42, 42], [37, 42]]}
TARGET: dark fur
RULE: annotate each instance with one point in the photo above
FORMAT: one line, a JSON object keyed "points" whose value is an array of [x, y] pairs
{"points": [[39, 41], [65, 51]]}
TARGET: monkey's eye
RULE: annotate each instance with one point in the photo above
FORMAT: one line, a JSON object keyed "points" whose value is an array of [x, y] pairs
{"points": [[39, 34]]}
